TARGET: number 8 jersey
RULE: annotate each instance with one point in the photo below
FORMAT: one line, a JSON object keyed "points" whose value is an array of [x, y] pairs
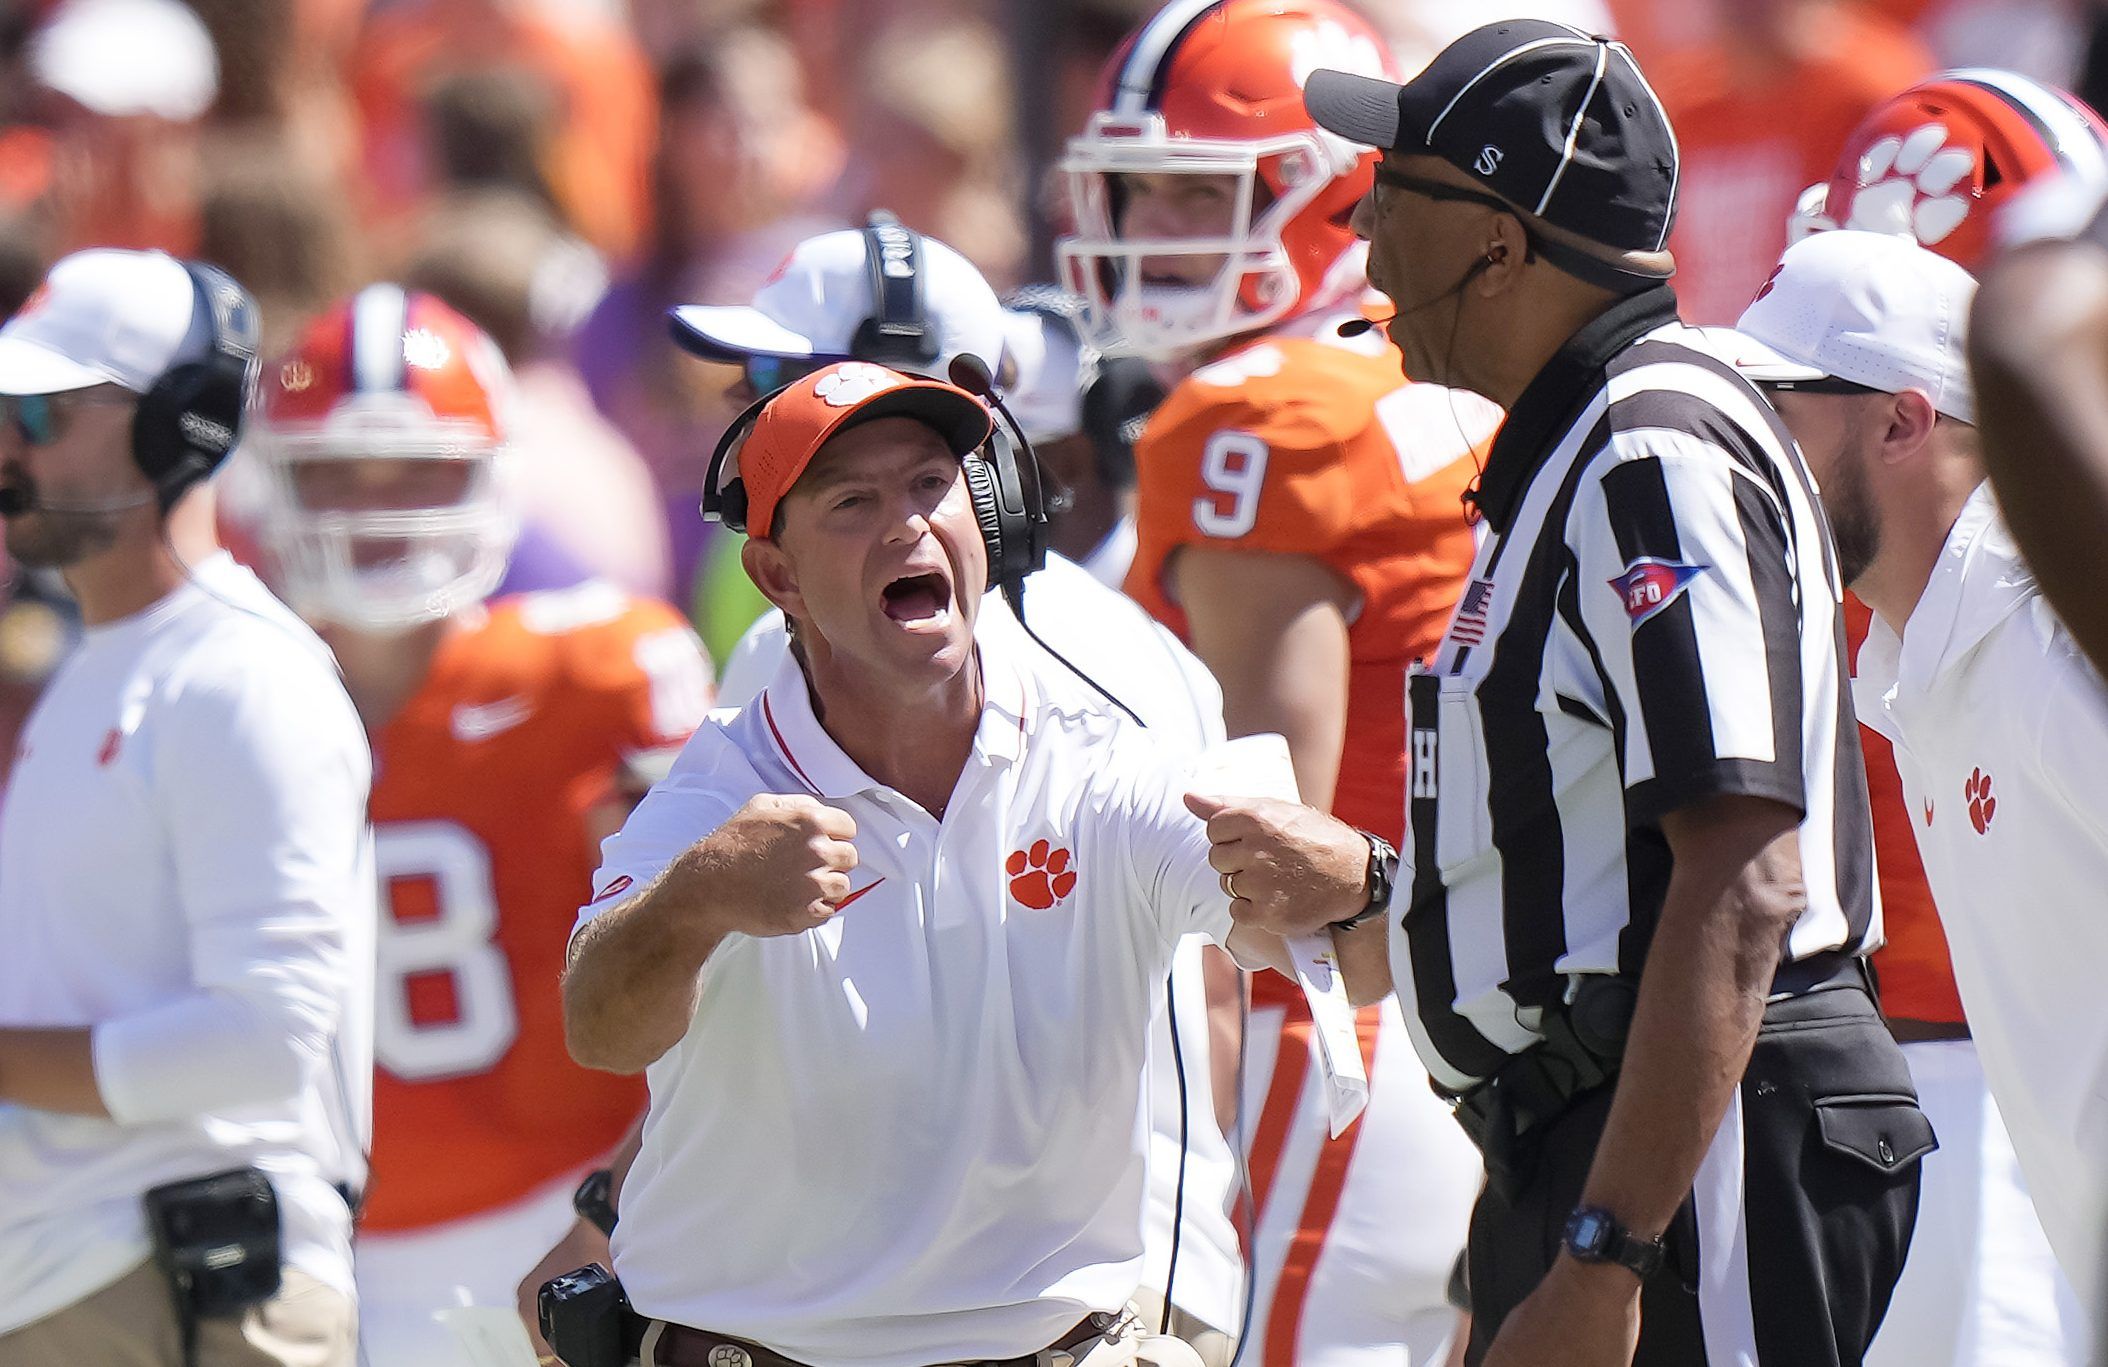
{"points": [[489, 785], [1309, 443]]}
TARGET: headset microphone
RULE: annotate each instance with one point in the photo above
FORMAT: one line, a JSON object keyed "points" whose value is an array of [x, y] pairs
{"points": [[1355, 327], [970, 373], [14, 502]]}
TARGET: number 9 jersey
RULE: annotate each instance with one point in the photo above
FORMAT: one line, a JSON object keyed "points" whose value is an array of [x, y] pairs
{"points": [[491, 786], [1307, 442]]}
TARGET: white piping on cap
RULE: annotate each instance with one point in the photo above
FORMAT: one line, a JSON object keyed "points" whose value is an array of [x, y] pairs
{"points": [[1573, 130]]}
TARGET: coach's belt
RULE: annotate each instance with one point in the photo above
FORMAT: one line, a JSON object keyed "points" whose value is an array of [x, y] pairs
{"points": [[679, 1346]]}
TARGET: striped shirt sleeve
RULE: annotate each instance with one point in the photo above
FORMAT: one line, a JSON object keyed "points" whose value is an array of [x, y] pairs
{"points": [[1686, 583]]}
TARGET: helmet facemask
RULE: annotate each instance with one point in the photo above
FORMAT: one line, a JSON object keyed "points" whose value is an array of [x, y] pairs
{"points": [[384, 518], [1256, 282]]}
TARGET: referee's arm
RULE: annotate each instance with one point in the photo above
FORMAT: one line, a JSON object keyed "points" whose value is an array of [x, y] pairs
{"points": [[1707, 687], [1733, 895]]}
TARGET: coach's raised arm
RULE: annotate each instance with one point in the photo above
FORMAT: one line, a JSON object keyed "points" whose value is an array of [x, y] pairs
{"points": [[889, 940]]}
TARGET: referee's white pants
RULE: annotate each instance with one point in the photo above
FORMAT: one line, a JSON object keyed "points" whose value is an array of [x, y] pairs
{"points": [[406, 1279], [1981, 1288]]}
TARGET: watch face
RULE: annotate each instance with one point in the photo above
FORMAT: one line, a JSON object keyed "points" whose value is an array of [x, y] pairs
{"points": [[1589, 1232]]}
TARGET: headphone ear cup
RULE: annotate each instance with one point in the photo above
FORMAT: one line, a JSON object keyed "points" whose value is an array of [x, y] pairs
{"points": [[726, 500], [988, 512], [1020, 502], [160, 448], [187, 423]]}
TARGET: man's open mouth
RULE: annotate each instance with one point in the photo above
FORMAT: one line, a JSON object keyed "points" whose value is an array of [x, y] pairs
{"points": [[917, 598]]}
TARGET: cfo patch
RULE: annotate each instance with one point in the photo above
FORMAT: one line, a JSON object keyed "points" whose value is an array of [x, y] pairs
{"points": [[1649, 585]]}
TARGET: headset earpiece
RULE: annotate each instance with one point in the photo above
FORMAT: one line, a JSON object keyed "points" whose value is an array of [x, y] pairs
{"points": [[1008, 502], [987, 510], [191, 417], [1009, 499], [726, 500]]}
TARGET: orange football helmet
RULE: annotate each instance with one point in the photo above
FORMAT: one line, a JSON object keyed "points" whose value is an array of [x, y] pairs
{"points": [[1215, 88], [382, 432], [1939, 160]]}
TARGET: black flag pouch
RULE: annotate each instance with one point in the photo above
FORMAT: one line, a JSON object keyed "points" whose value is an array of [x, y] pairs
{"points": [[217, 1241], [586, 1319]]}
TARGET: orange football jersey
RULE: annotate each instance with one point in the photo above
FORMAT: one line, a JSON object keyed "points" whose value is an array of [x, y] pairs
{"points": [[1314, 445], [482, 784], [1917, 978]]}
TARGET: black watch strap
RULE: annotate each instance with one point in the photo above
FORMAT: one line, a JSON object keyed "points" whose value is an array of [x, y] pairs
{"points": [[1595, 1236], [592, 1203], [1382, 878]]}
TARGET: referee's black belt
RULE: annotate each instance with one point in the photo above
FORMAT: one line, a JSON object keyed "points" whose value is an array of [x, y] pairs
{"points": [[1584, 1042], [680, 1346]]}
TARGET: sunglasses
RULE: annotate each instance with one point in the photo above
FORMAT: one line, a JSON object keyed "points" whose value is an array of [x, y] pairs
{"points": [[767, 374], [1828, 384], [1438, 190], [40, 419]]}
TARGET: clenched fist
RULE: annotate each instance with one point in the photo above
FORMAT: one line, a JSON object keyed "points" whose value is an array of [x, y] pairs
{"points": [[780, 866], [1288, 869]]}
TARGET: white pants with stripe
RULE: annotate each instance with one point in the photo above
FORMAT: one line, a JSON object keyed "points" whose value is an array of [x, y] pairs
{"points": [[1982, 1288], [1355, 1237]]}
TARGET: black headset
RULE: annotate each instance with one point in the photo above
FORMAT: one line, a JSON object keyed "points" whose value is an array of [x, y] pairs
{"points": [[1002, 478], [1002, 481], [191, 417]]}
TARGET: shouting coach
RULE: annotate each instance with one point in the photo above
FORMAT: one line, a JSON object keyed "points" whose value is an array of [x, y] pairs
{"points": [[889, 940], [1641, 871]]}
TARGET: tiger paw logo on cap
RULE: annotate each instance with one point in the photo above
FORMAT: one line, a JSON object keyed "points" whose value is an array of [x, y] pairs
{"points": [[852, 382]]}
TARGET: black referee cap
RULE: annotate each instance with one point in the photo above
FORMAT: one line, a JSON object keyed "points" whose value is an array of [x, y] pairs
{"points": [[1550, 118]]}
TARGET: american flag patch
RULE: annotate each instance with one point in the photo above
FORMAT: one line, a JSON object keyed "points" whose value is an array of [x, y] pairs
{"points": [[1469, 628]]}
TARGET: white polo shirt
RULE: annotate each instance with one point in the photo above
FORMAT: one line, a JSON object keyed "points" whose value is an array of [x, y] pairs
{"points": [[1192, 1173], [2001, 735], [916, 1134], [184, 866]]}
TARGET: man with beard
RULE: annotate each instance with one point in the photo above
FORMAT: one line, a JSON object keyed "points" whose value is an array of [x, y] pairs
{"points": [[1999, 724], [185, 883]]}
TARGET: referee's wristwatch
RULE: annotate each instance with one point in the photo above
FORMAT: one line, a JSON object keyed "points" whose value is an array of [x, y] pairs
{"points": [[1382, 879], [1595, 1236], [592, 1203]]}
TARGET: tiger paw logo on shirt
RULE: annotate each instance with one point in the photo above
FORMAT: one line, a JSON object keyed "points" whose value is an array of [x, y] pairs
{"points": [[1040, 876], [1982, 806]]}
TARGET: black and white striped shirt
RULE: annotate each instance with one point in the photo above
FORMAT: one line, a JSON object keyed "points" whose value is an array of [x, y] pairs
{"points": [[1653, 619]]}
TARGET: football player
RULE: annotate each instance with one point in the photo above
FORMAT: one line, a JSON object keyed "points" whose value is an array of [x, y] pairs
{"points": [[1300, 524], [508, 737], [1936, 163]]}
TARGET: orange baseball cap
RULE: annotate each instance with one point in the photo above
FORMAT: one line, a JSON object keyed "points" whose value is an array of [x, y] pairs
{"points": [[794, 425]]}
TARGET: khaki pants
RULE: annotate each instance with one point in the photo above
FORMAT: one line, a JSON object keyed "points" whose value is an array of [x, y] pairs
{"points": [[132, 1323]]}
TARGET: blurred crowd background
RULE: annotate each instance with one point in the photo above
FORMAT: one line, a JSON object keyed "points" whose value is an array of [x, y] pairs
{"points": [[563, 170]]}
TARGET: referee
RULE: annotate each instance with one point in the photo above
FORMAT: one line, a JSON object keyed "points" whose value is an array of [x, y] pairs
{"points": [[1640, 885]]}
